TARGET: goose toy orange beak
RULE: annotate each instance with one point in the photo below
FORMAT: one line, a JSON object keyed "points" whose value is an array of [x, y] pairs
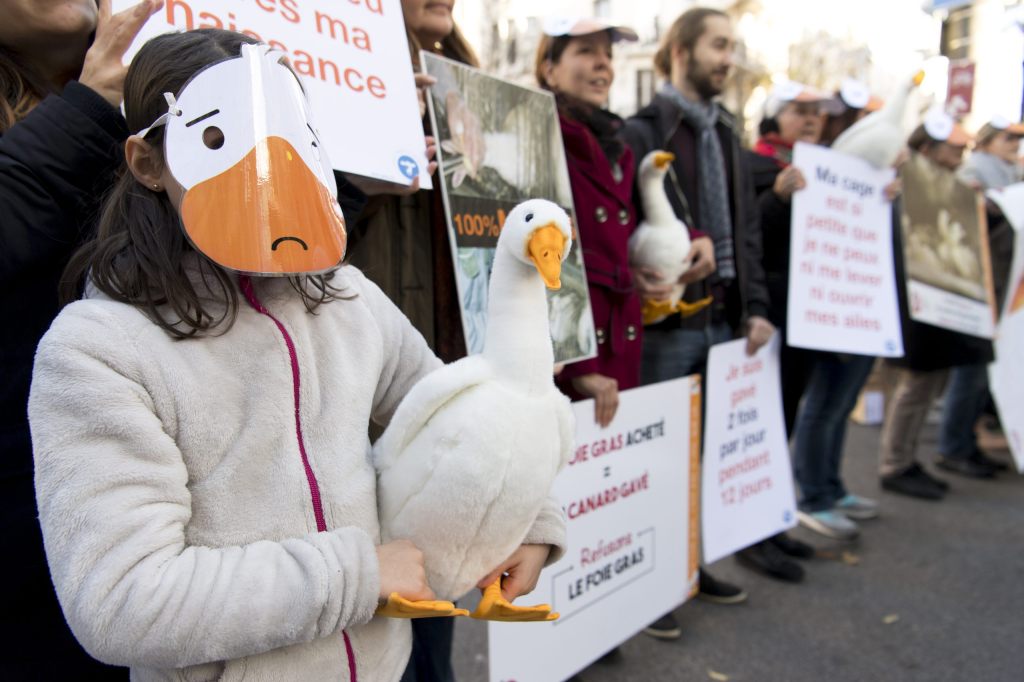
{"points": [[663, 159], [545, 250]]}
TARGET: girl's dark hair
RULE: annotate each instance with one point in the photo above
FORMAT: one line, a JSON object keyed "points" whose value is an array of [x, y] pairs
{"points": [[140, 254], [684, 33], [21, 88], [920, 140], [768, 125]]}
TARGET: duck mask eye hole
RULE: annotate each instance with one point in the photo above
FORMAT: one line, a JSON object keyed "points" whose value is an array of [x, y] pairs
{"points": [[213, 137], [529, 217]]}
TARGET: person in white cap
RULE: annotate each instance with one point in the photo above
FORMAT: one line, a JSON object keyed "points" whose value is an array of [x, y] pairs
{"points": [[930, 352], [851, 102], [993, 162]]}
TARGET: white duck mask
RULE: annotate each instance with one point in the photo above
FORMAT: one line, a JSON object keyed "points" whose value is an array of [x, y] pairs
{"points": [[260, 195]]}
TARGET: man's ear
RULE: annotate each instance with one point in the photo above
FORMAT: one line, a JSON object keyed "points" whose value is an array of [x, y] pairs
{"points": [[680, 54], [144, 162]]}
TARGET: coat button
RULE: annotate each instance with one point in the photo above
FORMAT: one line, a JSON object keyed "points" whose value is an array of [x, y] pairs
{"points": [[623, 217], [600, 336], [601, 214], [631, 333]]}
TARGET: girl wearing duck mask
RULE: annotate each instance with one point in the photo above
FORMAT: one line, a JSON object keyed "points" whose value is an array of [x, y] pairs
{"points": [[200, 421], [574, 61]]}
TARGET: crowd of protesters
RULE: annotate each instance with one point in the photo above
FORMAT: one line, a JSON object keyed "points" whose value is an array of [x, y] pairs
{"points": [[75, 209]]}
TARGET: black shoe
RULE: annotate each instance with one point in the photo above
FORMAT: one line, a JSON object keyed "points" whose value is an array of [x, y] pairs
{"points": [[921, 472], [792, 547], [666, 627], [912, 483], [966, 467], [612, 657], [766, 558], [717, 591], [979, 457]]}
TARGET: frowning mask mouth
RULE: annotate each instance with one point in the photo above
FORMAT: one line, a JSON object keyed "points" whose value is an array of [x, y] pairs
{"points": [[273, 247]]}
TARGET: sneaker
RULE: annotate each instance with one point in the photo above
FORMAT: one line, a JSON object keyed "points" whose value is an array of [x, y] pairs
{"points": [[914, 482], [857, 507], [829, 523], [921, 472], [666, 627], [792, 547], [966, 467], [718, 591], [766, 558]]}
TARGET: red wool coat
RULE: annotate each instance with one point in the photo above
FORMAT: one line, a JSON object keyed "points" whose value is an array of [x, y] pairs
{"points": [[605, 218]]}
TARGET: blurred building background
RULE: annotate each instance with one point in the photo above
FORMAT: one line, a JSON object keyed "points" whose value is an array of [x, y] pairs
{"points": [[819, 42]]}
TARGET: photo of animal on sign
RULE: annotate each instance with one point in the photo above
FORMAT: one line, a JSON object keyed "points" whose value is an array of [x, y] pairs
{"points": [[500, 144], [945, 249]]}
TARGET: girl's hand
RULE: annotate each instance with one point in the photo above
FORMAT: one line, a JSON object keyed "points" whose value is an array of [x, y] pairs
{"points": [[401, 571], [788, 181], [520, 571], [103, 70], [605, 392], [702, 261]]}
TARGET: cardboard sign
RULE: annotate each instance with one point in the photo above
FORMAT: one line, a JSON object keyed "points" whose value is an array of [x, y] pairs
{"points": [[945, 249], [498, 145], [842, 280], [1006, 374], [630, 497], [353, 58], [747, 481]]}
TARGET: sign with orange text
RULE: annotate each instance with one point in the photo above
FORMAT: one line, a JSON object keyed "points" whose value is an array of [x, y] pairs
{"points": [[747, 482], [353, 60], [1006, 374], [630, 497], [842, 280]]}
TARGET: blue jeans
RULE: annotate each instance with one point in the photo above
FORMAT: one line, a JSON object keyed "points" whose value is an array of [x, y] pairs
{"points": [[821, 427], [673, 353], [965, 400]]}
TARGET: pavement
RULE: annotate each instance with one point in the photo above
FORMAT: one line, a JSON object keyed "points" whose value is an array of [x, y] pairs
{"points": [[931, 591]]}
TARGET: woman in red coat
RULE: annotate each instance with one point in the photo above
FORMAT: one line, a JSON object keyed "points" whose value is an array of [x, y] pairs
{"points": [[574, 61]]}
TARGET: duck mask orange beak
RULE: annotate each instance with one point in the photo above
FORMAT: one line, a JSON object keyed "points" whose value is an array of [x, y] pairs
{"points": [[260, 195]]}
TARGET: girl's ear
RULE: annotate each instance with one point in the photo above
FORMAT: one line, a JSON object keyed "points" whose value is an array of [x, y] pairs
{"points": [[144, 162], [548, 71]]}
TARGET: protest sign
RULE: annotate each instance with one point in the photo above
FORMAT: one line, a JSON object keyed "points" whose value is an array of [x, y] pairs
{"points": [[842, 281], [630, 496], [747, 492], [945, 250], [353, 61], [1006, 374], [500, 144]]}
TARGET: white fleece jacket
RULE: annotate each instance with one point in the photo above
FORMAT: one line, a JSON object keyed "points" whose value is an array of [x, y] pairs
{"points": [[175, 505]]}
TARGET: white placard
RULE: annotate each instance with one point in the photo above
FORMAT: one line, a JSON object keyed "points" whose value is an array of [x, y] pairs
{"points": [[1006, 374], [747, 481], [630, 497], [354, 61], [842, 281]]}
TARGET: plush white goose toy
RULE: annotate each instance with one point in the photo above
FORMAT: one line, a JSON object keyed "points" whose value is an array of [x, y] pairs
{"points": [[879, 137], [468, 460], [662, 241]]}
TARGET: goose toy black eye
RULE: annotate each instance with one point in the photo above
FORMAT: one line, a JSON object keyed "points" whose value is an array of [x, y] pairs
{"points": [[529, 217], [213, 137]]}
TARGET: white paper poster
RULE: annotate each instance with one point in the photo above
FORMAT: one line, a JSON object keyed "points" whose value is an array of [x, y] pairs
{"points": [[747, 482], [1006, 374], [353, 58], [842, 281], [945, 250], [630, 497]]}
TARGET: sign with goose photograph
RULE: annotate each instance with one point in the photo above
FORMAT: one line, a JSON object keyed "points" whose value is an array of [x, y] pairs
{"points": [[630, 495], [499, 144]]}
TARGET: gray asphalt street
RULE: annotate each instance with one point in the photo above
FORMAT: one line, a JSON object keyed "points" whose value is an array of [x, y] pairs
{"points": [[932, 591]]}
